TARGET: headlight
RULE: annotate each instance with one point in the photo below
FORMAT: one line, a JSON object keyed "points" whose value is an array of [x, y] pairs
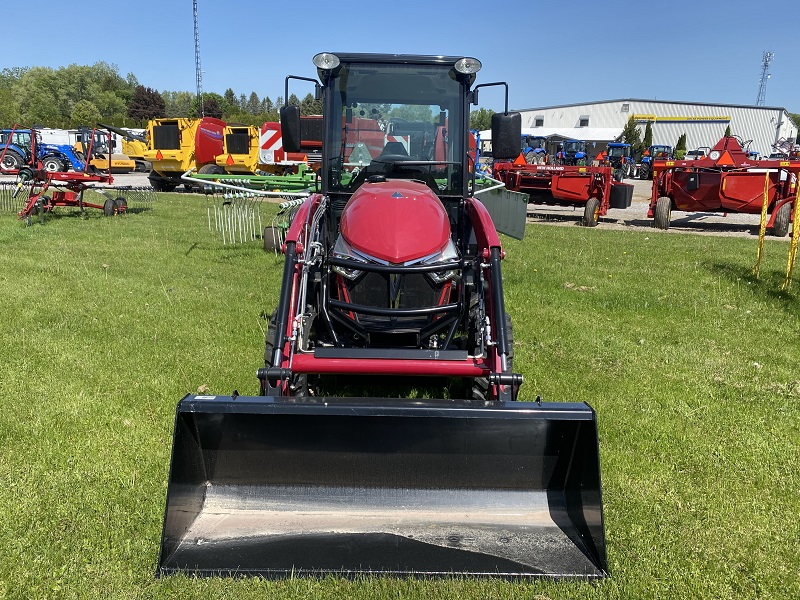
{"points": [[447, 255], [468, 66], [342, 250]]}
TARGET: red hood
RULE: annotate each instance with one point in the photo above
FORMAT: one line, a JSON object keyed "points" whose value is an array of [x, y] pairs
{"points": [[396, 221]]}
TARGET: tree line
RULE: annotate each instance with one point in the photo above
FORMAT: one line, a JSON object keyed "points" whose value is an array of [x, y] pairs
{"points": [[78, 95]]}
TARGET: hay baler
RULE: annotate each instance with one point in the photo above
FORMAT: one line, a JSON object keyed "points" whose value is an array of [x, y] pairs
{"points": [[392, 280], [177, 145]]}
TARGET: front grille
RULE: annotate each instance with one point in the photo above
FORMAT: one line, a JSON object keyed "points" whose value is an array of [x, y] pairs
{"points": [[412, 290], [237, 143], [166, 137]]}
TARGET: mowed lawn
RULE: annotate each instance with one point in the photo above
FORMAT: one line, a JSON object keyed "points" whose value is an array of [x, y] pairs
{"points": [[692, 365]]}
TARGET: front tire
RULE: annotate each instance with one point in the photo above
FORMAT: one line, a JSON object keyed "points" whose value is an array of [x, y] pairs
{"points": [[591, 213], [12, 161], [662, 213], [52, 164], [780, 226]]}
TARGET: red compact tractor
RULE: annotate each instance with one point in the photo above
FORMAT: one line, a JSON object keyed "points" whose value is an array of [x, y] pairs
{"points": [[392, 276], [594, 188], [726, 180]]}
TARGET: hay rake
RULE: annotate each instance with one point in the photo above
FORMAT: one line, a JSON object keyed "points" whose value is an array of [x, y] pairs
{"points": [[234, 204]]}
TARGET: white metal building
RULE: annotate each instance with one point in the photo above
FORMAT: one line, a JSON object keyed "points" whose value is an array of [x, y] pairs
{"points": [[703, 124]]}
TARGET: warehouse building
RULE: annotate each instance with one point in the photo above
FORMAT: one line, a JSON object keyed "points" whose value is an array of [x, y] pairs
{"points": [[703, 124]]}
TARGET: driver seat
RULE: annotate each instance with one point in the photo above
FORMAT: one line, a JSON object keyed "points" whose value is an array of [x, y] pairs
{"points": [[394, 148]]}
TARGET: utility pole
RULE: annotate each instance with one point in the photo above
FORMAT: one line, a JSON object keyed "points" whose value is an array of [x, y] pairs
{"points": [[762, 85], [198, 72]]}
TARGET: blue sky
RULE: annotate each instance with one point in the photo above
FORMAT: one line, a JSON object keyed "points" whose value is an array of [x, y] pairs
{"points": [[550, 53]]}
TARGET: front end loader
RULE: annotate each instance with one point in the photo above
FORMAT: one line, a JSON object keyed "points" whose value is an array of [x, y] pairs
{"points": [[392, 276]]}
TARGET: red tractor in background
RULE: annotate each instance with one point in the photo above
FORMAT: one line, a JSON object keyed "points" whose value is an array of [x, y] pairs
{"points": [[726, 180]]}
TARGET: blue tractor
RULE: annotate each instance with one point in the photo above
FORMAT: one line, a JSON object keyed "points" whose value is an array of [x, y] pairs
{"points": [[15, 152], [534, 149], [572, 152], [654, 152], [618, 156]]}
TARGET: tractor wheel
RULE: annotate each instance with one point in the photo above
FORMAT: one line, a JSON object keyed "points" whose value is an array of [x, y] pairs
{"points": [[120, 205], [272, 239], [591, 214], [53, 164], [480, 385], [662, 213], [780, 226], [299, 383], [159, 183], [11, 161], [211, 170], [108, 207], [618, 174], [644, 171]]}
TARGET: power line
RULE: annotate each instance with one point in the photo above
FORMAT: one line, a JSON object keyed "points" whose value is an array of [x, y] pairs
{"points": [[762, 85]]}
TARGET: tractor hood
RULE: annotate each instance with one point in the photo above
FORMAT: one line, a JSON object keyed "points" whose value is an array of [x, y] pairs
{"points": [[396, 220]]}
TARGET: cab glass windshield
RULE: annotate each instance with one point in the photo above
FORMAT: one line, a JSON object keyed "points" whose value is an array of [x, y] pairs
{"points": [[397, 120]]}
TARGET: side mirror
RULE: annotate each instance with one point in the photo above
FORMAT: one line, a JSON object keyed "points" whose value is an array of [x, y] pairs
{"points": [[290, 128], [506, 135]]}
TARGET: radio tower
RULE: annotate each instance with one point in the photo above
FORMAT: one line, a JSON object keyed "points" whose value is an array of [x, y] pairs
{"points": [[762, 84], [198, 72]]}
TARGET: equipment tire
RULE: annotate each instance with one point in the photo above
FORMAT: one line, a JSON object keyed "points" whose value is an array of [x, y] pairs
{"points": [[661, 215], [211, 170], [11, 161], [52, 164], [120, 205], [159, 183], [108, 207], [780, 226], [271, 239], [591, 213], [644, 172], [618, 174]]}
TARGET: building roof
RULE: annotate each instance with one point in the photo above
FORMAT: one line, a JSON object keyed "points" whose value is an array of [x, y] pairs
{"points": [[652, 101]]}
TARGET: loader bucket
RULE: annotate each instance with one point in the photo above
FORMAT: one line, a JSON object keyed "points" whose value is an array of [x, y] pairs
{"points": [[282, 487]]}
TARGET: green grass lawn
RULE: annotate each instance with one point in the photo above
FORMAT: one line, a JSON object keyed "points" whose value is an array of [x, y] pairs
{"points": [[691, 364]]}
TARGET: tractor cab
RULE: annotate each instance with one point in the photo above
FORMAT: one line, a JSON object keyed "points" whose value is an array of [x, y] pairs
{"points": [[618, 156], [534, 149], [654, 152], [396, 245], [573, 152], [15, 149]]}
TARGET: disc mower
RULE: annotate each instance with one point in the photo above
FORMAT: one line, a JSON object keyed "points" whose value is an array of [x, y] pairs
{"points": [[725, 180], [392, 275]]}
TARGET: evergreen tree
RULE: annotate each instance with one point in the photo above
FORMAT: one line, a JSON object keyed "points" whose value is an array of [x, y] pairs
{"points": [[680, 147], [648, 136], [230, 98], [630, 135], [728, 131], [253, 104]]}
